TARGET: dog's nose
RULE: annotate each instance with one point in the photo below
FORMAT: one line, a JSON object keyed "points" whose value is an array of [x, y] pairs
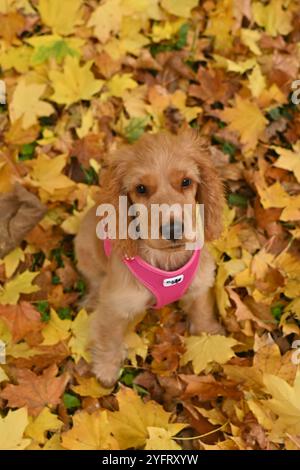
{"points": [[172, 231]]}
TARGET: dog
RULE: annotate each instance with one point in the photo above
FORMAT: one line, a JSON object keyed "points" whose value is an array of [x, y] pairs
{"points": [[160, 168]]}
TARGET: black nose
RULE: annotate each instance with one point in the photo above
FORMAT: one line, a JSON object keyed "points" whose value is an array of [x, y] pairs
{"points": [[172, 231]]}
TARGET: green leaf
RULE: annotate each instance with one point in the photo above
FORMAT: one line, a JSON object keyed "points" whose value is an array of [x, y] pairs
{"points": [[182, 36], [237, 200], [136, 128], [57, 50], [70, 401], [277, 310], [64, 313], [44, 309], [27, 151]]}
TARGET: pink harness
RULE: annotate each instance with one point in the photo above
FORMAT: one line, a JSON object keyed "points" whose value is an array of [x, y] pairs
{"points": [[166, 286]]}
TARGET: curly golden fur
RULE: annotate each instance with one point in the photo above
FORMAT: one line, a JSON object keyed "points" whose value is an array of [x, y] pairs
{"points": [[116, 297]]}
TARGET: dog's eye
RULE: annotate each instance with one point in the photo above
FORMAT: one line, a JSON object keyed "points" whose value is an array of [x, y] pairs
{"points": [[141, 189], [186, 182]]}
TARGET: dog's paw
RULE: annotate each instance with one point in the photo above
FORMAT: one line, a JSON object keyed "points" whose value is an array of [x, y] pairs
{"points": [[106, 374], [212, 328], [106, 365]]}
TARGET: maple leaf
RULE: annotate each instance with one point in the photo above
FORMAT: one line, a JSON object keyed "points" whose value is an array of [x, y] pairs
{"points": [[35, 391], [12, 428], [26, 104], [22, 319], [56, 329], [89, 432], [90, 387], [118, 84], [47, 173], [273, 17], [12, 261], [130, 424], [205, 349], [80, 336], [61, 17], [21, 284], [160, 439], [106, 19], [247, 119], [288, 159], [74, 83], [39, 426], [179, 8], [285, 403]]}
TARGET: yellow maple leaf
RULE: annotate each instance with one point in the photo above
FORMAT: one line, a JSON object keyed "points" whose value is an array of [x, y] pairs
{"points": [[44, 422], [12, 428], [21, 284], [130, 425], [179, 8], [178, 100], [3, 376], [61, 17], [232, 66], [26, 104], [89, 432], [72, 223], [90, 387], [56, 329], [292, 210], [74, 83], [106, 19], [12, 261], [220, 25], [289, 159], [225, 269], [285, 403], [160, 439], [250, 38], [118, 84], [257, 82], [272, 196], [47, 173], [136, 346], [247, 119], [205, 349], [274, 17], [80, 336], [17, 58]]}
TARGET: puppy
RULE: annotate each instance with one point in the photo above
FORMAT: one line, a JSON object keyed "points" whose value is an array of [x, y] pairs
{"points": [[159, 168]]}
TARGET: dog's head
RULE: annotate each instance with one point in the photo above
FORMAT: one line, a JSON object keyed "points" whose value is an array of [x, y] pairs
{"points": [[164, 169]]}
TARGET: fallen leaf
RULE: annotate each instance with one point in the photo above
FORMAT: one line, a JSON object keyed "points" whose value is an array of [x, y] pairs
{"points": [[12, 429], [35, 391], [205, 349]]}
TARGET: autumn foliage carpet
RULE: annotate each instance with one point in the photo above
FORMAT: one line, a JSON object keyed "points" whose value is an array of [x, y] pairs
{"points": [[81, 78]]}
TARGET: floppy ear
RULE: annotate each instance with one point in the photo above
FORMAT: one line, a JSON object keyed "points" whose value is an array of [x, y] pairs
{"points": [[210, 189], [111, 189]]}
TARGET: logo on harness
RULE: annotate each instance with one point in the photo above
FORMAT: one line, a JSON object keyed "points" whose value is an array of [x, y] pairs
{"points": [[171, 281]]}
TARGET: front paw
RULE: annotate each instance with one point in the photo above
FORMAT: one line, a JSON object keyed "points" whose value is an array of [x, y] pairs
{"points": [[106, 366], [213, 328], [107, 374]]}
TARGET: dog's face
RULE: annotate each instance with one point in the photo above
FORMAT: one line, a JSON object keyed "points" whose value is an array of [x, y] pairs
{"points": [[168, 175]]}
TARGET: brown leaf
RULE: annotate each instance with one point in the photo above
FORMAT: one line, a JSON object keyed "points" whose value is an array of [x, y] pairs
{"points": [[35, 391], [91, 146], [11, 26], [20, 211], [208, 388], [22, 319]]}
